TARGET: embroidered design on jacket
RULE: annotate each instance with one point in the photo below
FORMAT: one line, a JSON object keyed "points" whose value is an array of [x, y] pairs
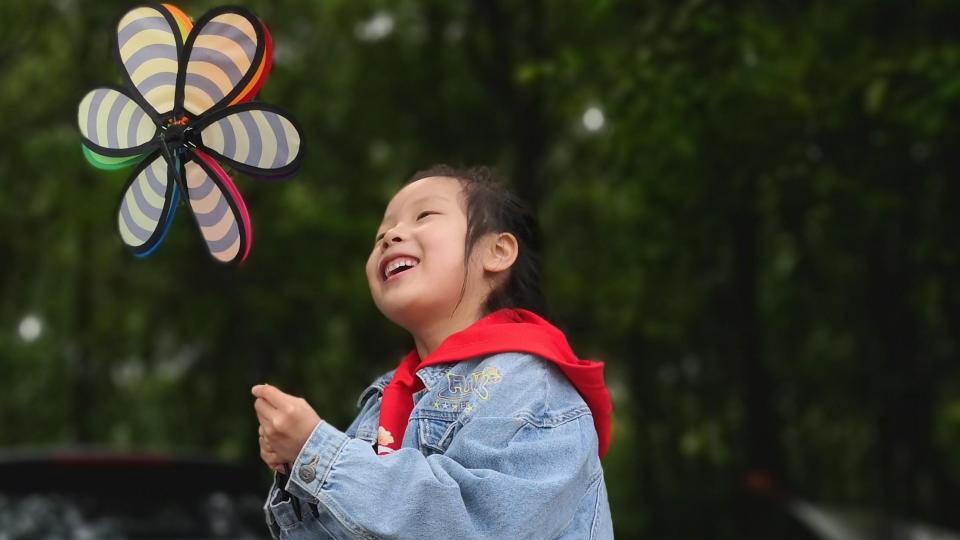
{"points": [[461, 387], [384, 437]]}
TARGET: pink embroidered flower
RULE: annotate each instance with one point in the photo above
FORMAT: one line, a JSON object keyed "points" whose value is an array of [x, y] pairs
{"points": [[384, 437]]}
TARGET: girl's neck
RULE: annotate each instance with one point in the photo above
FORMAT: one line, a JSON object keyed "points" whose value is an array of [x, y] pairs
{"points": [[429, 336]]}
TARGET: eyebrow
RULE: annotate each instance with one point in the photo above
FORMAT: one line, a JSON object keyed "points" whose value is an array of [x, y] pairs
{"points": [[427, 198], [415, 203]]}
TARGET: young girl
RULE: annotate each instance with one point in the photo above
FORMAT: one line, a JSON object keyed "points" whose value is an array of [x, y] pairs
{"points": [[489, 428]]}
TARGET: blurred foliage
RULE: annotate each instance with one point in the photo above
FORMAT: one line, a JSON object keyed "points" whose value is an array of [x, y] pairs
{"points": [[750, 212]]}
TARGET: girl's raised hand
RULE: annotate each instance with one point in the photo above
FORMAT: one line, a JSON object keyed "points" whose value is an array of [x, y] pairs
{"points": [[286, 423]]}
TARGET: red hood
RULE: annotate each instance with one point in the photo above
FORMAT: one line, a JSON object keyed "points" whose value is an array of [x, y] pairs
{"points": [[519, 330]]}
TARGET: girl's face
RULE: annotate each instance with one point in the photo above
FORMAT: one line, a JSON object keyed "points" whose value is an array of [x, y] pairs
{"points": [[416, 268]]}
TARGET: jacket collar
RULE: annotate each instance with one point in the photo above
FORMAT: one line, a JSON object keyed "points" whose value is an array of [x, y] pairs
{"points": [[376, 387], [431, 375]]}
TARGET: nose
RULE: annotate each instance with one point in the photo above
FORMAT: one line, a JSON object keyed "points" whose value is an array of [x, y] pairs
{"points": [[393, 235]]}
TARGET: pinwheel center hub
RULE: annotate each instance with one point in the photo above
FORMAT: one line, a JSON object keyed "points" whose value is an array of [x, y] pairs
{"points": [[176, 131]]}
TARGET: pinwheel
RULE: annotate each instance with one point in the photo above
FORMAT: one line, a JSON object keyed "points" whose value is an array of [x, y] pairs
{"points": [[184, 109]]}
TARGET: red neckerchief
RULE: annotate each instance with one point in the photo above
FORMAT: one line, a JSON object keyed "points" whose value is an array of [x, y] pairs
{"points": [[506, 330]]}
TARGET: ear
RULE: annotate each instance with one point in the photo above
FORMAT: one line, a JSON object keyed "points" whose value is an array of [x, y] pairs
{"points": [[500, 252]]}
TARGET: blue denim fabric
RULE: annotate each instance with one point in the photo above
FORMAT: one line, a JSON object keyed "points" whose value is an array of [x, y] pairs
{"points": [[500, 447]]}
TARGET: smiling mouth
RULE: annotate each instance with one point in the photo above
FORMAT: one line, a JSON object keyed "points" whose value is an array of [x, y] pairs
{"points": [[397, 266]]}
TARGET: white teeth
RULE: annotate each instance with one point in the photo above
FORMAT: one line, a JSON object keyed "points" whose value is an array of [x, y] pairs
{"points": [[397, 263]]}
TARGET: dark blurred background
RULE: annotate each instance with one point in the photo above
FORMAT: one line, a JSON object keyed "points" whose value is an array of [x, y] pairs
{"points": [[750, 212]]}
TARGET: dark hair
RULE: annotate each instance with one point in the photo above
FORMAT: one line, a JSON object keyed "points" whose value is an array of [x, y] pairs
{"points": [[492, 208]]}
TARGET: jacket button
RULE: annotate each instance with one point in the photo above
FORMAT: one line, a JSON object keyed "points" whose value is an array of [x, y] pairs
{"points": [[308, 473]]}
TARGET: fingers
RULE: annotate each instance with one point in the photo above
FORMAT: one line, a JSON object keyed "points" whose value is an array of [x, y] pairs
{"points": [[265, 444], [270, 393], [272, 460], [265, 411]]}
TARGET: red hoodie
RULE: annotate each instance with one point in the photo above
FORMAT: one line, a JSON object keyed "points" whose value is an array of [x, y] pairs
{"points": [[506, 330]]}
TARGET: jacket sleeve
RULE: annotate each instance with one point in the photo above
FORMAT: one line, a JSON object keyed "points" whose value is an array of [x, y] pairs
{"points": [[500, 477]]}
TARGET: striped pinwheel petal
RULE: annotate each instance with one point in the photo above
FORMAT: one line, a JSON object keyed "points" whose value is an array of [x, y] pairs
{"points": [[113, 124], [218, 208], [224, 53], [255, 138], [148, 47], [147, 207]]}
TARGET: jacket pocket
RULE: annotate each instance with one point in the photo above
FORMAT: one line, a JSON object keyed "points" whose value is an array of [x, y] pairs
{"points": [[436, 430]]}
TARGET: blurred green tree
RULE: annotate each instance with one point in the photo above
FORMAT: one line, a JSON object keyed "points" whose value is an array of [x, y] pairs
{"points": [[749, 210]]}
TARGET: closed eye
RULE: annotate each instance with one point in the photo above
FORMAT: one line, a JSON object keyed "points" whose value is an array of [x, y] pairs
{"points": [[426, 213]]}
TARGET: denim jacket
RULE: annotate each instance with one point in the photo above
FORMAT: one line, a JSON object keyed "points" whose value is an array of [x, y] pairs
{"points": [[497, 447]]}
